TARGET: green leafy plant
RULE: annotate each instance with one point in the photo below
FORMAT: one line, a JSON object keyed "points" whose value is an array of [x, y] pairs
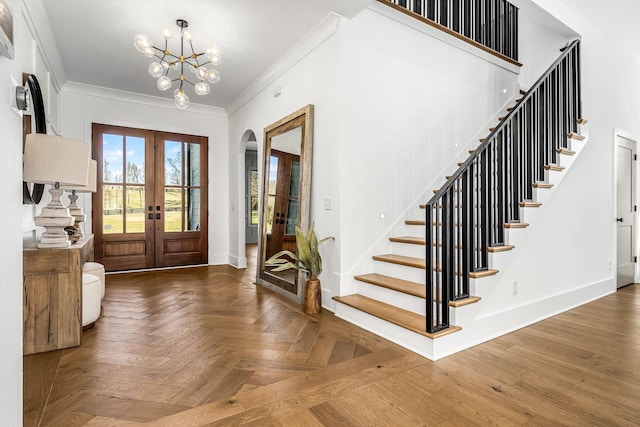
{"points": [[307, 259]]}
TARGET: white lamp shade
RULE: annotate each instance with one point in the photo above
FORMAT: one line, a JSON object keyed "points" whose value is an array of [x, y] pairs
{"points": [[51, 159], [91, 186]]}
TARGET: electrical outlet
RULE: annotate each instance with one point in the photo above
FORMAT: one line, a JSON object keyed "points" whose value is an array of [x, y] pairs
{"points": [[515, 287]]}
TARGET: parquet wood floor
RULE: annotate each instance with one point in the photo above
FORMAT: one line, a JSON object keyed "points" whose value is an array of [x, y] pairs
{"points": [[204, 346]]}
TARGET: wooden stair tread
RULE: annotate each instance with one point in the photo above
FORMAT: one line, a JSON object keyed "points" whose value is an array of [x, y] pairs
{"points": [[542, 185], [415, 222], [403, 318], [482, 273], [565, 151], [399, 285], [582, 121], [402, 260], [516, 225], [410, 288], [554, 168], [463, 302], [530, 204], [576, 136], [410, 240], [503, 248]]}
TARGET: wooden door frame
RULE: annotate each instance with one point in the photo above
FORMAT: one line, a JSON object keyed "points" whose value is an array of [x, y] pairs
{"points": [[154, 166]]}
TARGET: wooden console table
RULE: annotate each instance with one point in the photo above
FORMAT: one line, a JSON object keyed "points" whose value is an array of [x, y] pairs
{"points": [[52, 280]]}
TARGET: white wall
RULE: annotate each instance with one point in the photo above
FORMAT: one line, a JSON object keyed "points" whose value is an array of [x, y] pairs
{"points": [[540, 40], [412, 106], [82, 105], [11, 249], [308, 74]]}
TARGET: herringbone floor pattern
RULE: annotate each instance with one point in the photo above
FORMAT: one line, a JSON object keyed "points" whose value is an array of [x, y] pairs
{"points": [[204, 346]]}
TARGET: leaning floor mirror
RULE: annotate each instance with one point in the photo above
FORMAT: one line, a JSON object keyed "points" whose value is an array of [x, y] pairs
{"points": [[285, 197]]}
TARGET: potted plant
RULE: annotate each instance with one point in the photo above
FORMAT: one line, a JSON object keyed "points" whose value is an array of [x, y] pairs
{"points": [[307, 259]]}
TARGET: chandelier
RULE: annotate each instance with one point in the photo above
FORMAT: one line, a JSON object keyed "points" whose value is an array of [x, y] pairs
{"points": [[169, 64]]}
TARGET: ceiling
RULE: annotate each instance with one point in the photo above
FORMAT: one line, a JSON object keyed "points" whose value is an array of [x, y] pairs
{"points": [[95, 38]]}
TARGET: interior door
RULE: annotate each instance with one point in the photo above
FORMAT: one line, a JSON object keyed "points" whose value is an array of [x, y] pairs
{"points": [[150, 209], [625, 217]]}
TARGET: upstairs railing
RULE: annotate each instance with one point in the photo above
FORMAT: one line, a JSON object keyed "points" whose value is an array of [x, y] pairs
{"points": [[467, 217], [490, 23]]}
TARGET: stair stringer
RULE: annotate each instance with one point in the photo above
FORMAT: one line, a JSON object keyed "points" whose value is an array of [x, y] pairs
{"points": [[476, 327]]}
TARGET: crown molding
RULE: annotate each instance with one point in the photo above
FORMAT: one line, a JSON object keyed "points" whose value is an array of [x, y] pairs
{"points": [[314, 38], [137, 98]]}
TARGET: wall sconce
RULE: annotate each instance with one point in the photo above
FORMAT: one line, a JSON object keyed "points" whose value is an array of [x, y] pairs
{"points": [[50, 159], [74, 209]]}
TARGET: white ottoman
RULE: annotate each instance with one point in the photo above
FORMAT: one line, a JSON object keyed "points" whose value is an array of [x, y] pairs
{"points": [[91, 298], [96, 269]]}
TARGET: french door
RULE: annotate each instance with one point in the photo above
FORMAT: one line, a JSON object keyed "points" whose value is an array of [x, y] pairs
{"points": [[150, 209]]}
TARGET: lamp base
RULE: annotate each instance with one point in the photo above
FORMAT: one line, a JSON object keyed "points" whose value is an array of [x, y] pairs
{"points": [[54, 218], [77, 214]]}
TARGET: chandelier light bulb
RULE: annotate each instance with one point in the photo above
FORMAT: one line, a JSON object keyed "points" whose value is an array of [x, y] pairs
{"points": [[202, 88], [186, 34], [164, 83], [202, 73], [166, 33], [216, 60], [193, 68], [180, 99], [156, 69], [142, 43], [214, 76], [211, 50]]}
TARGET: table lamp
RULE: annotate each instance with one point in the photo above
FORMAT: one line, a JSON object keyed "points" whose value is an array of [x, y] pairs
{"points": [[91, 187], [55, 160]]}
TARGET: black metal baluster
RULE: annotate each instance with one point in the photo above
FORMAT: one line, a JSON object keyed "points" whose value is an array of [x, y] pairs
{"points": [[431, 240], [500, 186]]}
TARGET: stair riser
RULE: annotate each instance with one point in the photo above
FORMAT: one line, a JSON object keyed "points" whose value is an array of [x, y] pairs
{"points": [[500, 260], [465, 314], [407, 249], [416, 230], [389, 296], [530, 215], [553, 177], [403, 337], [400, 271], [515, 236], [542, 195]]}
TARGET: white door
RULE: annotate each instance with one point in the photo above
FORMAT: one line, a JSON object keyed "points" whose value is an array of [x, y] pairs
{"points": [[625, 218]]}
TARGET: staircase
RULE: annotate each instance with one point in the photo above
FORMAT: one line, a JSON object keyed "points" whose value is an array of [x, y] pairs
{"points": [[428, 290]]}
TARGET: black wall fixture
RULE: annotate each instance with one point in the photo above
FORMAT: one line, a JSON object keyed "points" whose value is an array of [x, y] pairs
{"points": [[32, 196]]}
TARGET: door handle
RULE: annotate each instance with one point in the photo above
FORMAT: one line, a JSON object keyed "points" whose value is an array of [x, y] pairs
{"points": [[620, 219], [157, 216], [150, 216]]}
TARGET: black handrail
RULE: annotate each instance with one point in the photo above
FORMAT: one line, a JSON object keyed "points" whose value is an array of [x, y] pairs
{"points": [[491, 23], [469, 213]]}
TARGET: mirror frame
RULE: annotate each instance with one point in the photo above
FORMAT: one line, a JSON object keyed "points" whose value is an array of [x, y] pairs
{"points": [[302, 117], [36, 114]]}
